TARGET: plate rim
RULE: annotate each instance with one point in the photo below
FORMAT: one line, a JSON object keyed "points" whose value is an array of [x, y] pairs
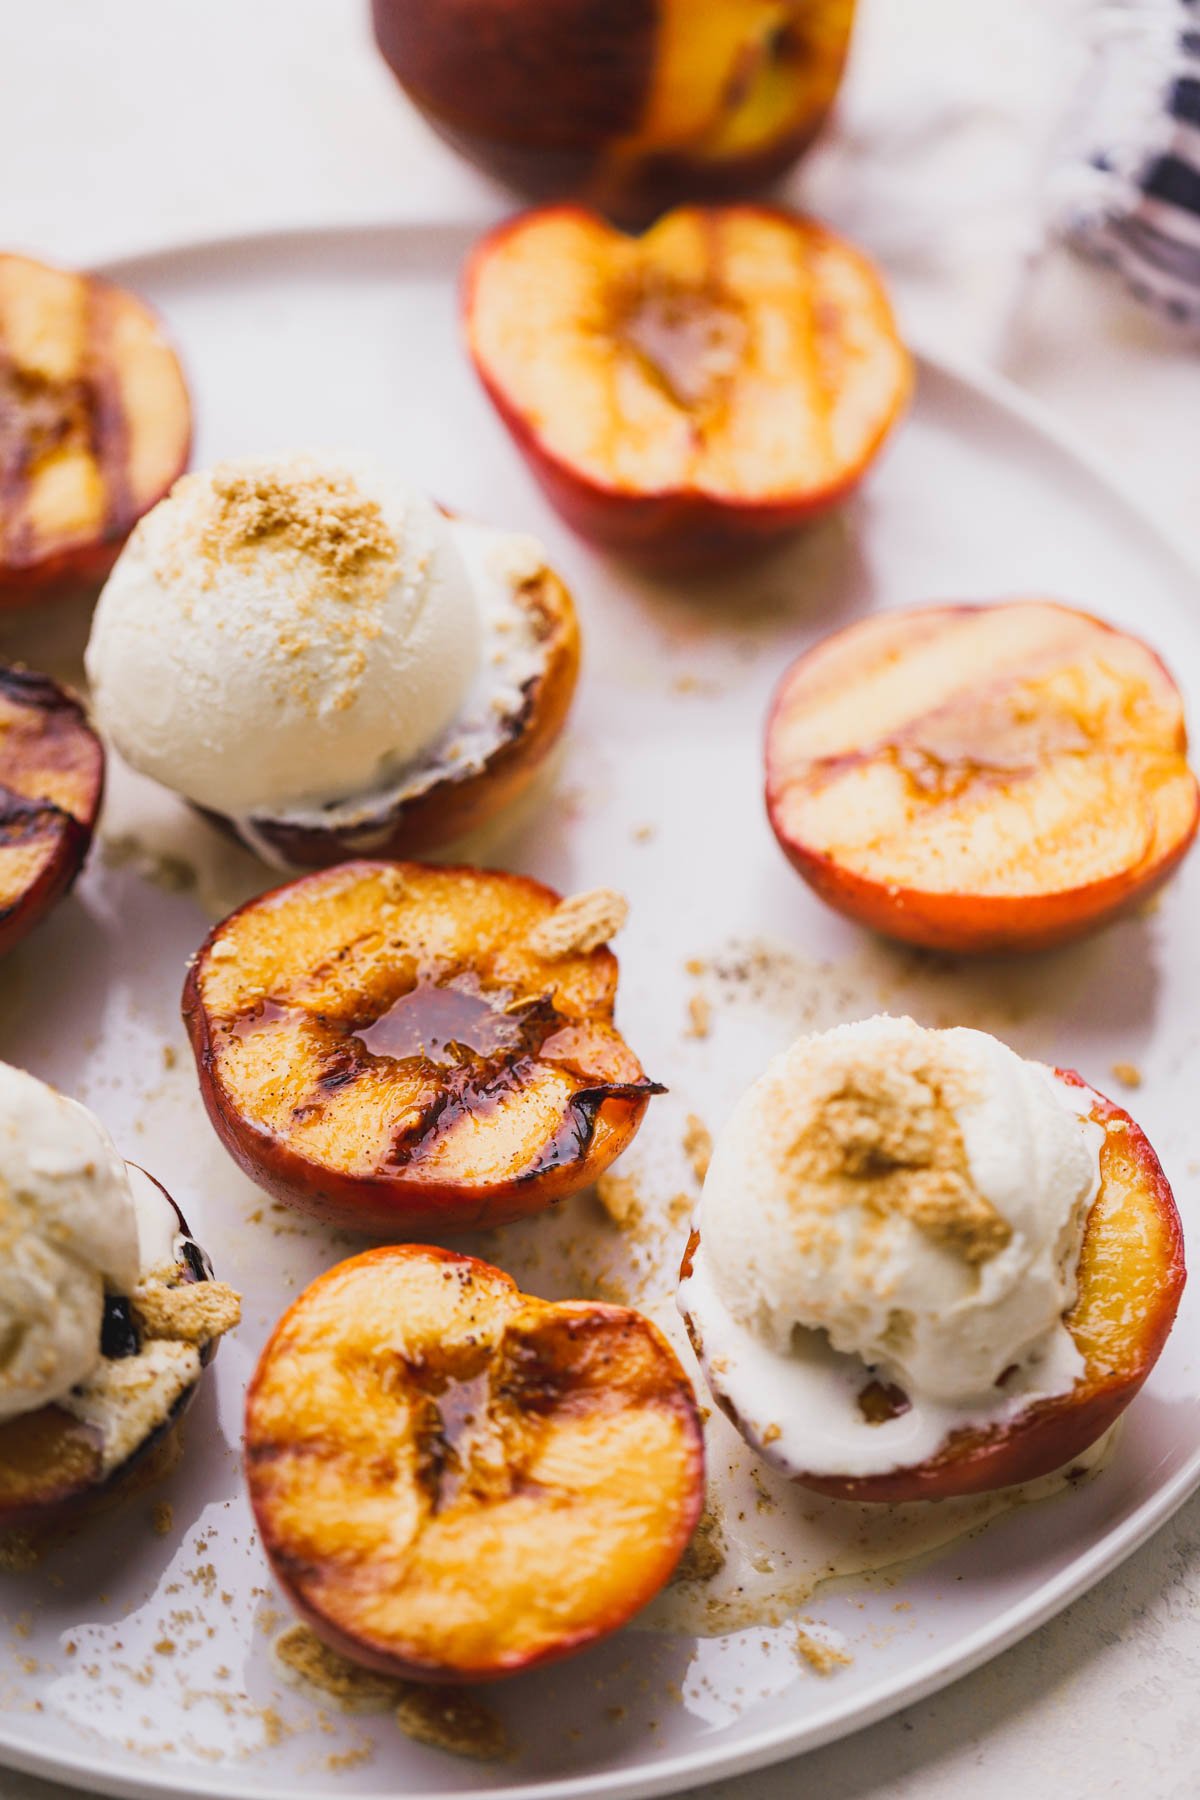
{"points": [[780, 1742]]}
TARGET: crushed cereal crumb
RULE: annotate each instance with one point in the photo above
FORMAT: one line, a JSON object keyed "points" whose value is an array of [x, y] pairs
{"points": [[697, 1146], [450, 1719], [821, 1658], [579, 925]]}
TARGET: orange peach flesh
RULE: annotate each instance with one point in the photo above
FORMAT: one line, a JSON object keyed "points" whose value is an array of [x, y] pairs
{"points": [[51, 778], [379, 1043], [455, 1480], [970, 755], [1131, 1278], [735, 353], [95, 423], [732, 78]]}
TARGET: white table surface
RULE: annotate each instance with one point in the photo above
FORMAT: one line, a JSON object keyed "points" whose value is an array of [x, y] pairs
{"points": [[134, 123]]}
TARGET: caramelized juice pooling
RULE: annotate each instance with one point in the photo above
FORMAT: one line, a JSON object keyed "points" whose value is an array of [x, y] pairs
{"points": [[432, 1017], [692, 339]]}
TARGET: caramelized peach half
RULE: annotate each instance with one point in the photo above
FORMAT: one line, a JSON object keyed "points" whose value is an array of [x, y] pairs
{"points": [[154, 1345], [455, 1481], [720, 380], [638, 106], [51, 784], [1131, 1279], [981, 778], [395, 1047], [95, 425]]}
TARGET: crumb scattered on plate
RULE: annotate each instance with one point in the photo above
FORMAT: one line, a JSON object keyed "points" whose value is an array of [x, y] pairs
{"points": [[821, 1658], [353, 1688], [618, 1195], [699, 1016], [697, 1145], [449, 1719]]}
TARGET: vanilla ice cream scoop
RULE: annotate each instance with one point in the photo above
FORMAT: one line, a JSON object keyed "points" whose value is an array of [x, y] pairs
{"points": [[900, 1198], [68, 1229], [283, 632]]}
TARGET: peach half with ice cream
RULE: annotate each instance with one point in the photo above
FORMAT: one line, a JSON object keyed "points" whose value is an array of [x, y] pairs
{"points": [[923, 1266], [109, 1311], [316, 655]]}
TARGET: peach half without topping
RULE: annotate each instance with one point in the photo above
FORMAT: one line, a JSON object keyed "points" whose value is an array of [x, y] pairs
{"points": [[719, 381], [1130, 1280], [51, 784], [95, 426], [637, 106], [154, 1344], [455, 1481], [395, 1047], [981, 778]]}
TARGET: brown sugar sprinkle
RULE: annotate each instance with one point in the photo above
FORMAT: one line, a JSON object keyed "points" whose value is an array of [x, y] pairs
{"points": [[579, 925], [1128, 1074], [354, 1758], [699, 1016], [193, 1314], [821, 1658], [705, 1554], [310, 513], [162, 1518], [18, 1553], [355, 1689], [449, 1719], [619, 1197], [697, 1146]]}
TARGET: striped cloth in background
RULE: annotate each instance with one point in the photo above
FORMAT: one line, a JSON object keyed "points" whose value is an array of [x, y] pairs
{"points": [[1127, 192]]}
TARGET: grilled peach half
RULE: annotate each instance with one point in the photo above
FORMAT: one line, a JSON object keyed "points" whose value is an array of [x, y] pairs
{"points": [[719, 381], [1130, 1281], [638, 106], [981, 778], [51, 785], [454, 1481], [399, 1048], [95, 425], [58, 1461]]}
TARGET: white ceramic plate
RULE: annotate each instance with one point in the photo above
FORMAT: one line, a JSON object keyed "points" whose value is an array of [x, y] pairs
{"points": [[140, 1664]]}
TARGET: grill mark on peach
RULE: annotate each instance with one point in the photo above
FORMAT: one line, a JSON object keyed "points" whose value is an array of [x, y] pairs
{"points": [[25, 687], [47, 751], [15, 460], [967, 679], [581, 1119], [1126, 726], [963, 697], [470, 1084], [38, 415], [107, 424], [22, 819]]}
